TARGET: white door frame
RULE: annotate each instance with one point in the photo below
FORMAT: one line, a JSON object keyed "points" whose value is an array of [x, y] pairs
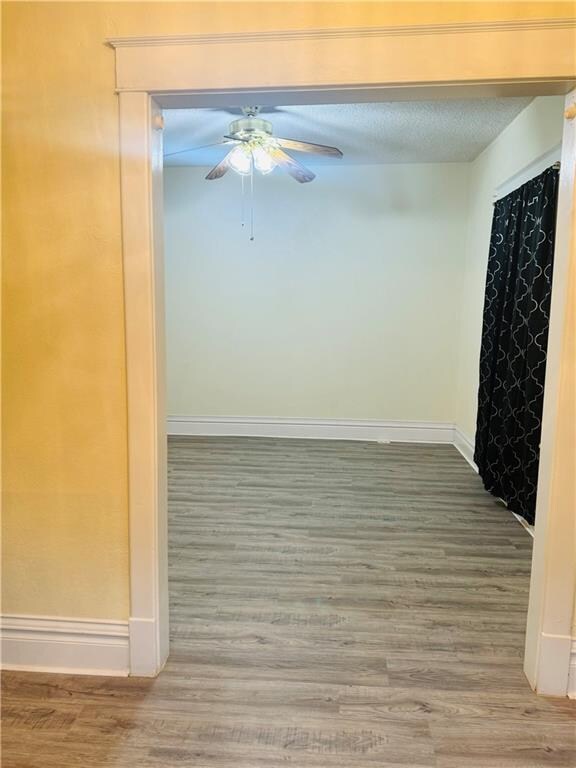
{"points": [[142, 245], [550, 635], [355, 64]]}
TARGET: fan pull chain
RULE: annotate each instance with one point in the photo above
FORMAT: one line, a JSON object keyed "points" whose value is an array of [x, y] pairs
{"points": [[243, 204], [251, 198]]}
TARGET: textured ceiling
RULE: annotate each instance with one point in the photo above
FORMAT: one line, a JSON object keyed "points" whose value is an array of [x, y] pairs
{"points": [[390, 132]]}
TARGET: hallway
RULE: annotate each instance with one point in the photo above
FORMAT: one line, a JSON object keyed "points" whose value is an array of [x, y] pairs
{"points": [[334, 604]]}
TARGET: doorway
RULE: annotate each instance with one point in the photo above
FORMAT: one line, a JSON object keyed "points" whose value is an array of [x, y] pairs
{"points": [[141, 174]]}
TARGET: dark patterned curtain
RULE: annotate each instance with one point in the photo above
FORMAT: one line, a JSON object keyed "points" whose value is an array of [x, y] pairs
{"points": [[514, 339]]}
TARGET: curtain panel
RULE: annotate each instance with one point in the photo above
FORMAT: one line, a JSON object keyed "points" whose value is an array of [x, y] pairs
{"points": [[514, 341]]}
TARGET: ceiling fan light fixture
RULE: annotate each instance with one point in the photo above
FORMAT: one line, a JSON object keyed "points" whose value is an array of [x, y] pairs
{"points": [[263, 161], [240, 160], [247, 128], [257, 148]]}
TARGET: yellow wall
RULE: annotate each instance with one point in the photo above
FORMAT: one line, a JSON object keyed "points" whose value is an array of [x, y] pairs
{"points": [[64, 427]]}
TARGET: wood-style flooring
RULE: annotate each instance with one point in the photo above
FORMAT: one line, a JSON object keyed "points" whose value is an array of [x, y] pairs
{"points": [[334, 605]]}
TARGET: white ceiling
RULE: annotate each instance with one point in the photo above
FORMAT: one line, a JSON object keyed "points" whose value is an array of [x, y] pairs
{"points": [[387, 132]]}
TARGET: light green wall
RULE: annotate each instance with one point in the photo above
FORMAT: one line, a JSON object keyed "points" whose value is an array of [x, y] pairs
{"points": [[345, 306]]}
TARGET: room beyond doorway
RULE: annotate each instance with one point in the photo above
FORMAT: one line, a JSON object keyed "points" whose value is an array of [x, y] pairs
{"points": [[357, 311]]}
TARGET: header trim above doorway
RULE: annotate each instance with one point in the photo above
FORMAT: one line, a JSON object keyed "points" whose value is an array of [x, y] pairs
{"points": [[513, 25], [497, 54]]}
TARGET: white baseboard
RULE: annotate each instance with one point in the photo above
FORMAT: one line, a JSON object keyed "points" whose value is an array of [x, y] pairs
{"points": [[466, 447], [320, 429], [147, 654], [572, 671], [524, 523], [72, 646], [556, 654]]}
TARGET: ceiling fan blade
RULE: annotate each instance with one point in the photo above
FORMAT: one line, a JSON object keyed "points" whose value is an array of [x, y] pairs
{"points": [[204, 146], [307, 146], [293, 167], [219, 170], [239, 139]]}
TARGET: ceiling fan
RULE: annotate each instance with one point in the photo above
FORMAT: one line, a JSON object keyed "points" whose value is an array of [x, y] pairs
{"points": [[255, 147]]}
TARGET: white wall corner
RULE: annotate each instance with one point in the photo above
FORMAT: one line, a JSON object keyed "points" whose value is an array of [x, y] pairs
{"points": [[465, 445], [71, 646], [321, 429]]}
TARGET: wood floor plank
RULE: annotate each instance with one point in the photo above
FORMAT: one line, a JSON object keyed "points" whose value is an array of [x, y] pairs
{"points": [[333, 605]]}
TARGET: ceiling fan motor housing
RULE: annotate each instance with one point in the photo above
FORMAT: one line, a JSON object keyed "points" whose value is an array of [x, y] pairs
{"points": [[250, 127]]}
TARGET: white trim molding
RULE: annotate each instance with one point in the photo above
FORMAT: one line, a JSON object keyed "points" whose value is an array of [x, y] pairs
{"points": [[142, 238], [572, 671], [71, 646], [556, 658], [342, 33], [465, 446], [553, 573], [319, 429]]}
